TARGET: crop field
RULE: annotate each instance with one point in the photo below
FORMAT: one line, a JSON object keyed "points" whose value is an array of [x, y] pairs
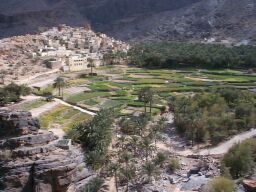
{"points": [[31, 105], [62, 117], [119, 88]]}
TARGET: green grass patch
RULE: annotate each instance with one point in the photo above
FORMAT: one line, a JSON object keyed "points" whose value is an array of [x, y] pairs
{"points": [[127, 98], [150, 81], [138, 70], [65, 117], [76, 82], [91, 102], [223, 72], [178, 89], [86, 95], [32, 104], [128, 78], [121, 93], [100, 87], [48, 89], [112, 104]]}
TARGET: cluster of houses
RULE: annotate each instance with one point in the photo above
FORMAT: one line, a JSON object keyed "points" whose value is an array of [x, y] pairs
{"points": [[75, 49], [63, 47]]}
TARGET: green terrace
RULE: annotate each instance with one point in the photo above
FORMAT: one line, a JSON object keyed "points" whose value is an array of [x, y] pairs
{"points": [[120, 88]]}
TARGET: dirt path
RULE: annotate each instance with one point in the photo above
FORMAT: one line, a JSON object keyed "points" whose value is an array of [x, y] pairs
{"points": [[29, 79], [44, 108], [224, 147], [200, 79], [110, 182], [174, 143], [47, 107], [74, 107]]}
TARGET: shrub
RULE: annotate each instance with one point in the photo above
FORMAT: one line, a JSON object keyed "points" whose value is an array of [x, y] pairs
{"points": [[220, 184], [160, 159], [173, 165], [12, 93], [94, 185], [240, 159]]}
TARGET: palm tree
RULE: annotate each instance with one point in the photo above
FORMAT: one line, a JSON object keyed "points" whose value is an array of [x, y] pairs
{"points": [[151, 170], [91, 64], [114, 167], [108, 59], [143, 97], [96, 159], [59, 83], [161, 123], [154, 134], [151, 99], [122, 140], [146, 95], [127, 171], [147, 146], [160, 159], [96, 185], [157, 128], [134, 141], [2, 75], [128, 174]]}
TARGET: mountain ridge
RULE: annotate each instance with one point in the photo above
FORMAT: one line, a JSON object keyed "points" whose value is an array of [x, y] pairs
{"points": [[139, 20]]}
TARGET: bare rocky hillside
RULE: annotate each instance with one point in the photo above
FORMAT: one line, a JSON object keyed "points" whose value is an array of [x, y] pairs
{"points": [[135, 20]]}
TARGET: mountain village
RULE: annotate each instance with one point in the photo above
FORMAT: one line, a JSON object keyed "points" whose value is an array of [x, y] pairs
{"points": [[60, 48]]}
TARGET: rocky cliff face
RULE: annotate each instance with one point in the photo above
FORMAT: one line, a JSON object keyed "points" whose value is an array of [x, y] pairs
{"points": [[37, 161], [136, 20], [217, 19]]}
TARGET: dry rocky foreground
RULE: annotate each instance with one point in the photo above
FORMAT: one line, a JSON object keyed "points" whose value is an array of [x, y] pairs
{"points": [[38, 161]]}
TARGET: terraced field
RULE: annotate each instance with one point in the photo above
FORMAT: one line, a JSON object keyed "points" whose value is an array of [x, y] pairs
{"points": [[62, 117], [119, 88]]}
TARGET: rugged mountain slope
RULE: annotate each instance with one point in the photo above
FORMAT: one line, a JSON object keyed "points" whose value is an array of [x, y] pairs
{"points": [[203, 19], [136, 19]]}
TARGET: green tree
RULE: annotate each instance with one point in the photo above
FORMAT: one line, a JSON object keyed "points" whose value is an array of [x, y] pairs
{"points": [[128, 171], [91, 64], [96, 185], [147, 146], [96, 159], [2, 76], [135, 141], [108, 59], [240, 159], [59, 83], [12, 93], [173, 165], [151, 170], [113, 169], [171, 55], [157, 129], [95, 136], [146, 96], [160, 159]]}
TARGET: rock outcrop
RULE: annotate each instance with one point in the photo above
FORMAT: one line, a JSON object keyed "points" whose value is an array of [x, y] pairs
{"points": [[249, 185], [33, 160]]}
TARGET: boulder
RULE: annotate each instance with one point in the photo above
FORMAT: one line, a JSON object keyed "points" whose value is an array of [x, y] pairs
{"points": [[15, 123], [28, 140], [249, 185]]}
